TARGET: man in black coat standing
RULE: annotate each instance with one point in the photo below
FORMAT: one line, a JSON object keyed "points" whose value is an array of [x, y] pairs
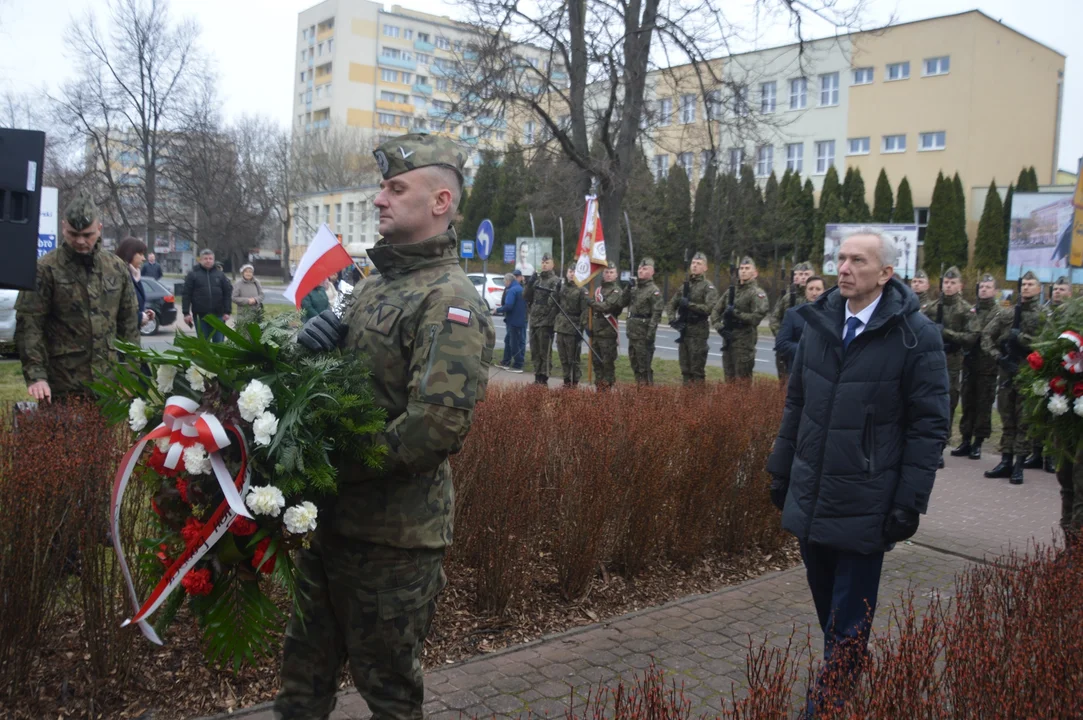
{"points": [[207, 291], [865, 424]]}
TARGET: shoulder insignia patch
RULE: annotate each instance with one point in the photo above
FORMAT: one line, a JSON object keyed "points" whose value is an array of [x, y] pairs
{"points": [[458, 315], [710, 287], [761, 295], [657, 293]]}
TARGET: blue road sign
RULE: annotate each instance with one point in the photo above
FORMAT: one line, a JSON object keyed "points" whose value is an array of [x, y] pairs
{"points": [[466, 249], [485, 239], [509, 253]]}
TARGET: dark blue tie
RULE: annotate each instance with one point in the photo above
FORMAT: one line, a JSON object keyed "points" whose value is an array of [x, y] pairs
{"points": [[851, 331]]}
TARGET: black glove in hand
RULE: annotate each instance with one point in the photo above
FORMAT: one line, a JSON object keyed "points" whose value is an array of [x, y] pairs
{"points": [[779, 488], [730, 312], [901, 524], [322, 333], [683, 304]]}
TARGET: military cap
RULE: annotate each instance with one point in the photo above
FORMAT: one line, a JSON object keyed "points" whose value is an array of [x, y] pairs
{"points": [[81, 211], [415, 150], [746, 260], [1029, 275], [700, 256], [1062, 280], [546, 257], [803, 266], [952, 273], [987, 278], [646, 262], [920, 275], [610, 265]]}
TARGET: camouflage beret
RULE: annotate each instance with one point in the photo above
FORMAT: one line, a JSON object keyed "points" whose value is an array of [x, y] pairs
{"points": [[952, 273], [746, 260], [546, 257], [415, 150], [1029, 275], [1062, 280], [803, 266], [81, 211], [988, 278], [646, 262], [610, 265], [700, 256], [920, 275]]}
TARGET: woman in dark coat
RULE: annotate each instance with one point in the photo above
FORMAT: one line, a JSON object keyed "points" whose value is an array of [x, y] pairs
{"points": [[133, 251], [792, 323]]}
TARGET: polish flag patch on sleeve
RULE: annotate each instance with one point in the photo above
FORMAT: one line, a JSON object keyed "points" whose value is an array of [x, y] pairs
{"points": [[458, 315]]}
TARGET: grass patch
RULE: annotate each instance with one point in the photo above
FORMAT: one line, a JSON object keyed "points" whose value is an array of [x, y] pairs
{"points": [[12, 385], [666, 372]]}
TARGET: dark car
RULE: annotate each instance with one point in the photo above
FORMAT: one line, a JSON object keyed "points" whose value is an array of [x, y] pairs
{"points": [[160, 300]]}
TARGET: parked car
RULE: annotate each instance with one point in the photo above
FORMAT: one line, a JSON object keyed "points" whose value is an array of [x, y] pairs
{"points": [[160, 300], [7, 320], [490, 287]]}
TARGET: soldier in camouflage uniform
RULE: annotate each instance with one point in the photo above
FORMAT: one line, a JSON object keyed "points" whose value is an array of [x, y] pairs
{"points": [[569, 325], [369, 582], [979, 384], [920, 285], [644, 303], [997, 336], [954, 329], [1062, 293], [793, 297], [702, 296], [543, 311], [750, 306], [607, 304], [65, 329]]}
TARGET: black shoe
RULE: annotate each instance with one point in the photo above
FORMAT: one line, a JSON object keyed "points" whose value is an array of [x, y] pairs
{"points": [[1034, 462], [975, 450], [1003, 470], [963, 450], [567, 382], [1050, 465], [544, 380], [1017, 471], [941, 464]]}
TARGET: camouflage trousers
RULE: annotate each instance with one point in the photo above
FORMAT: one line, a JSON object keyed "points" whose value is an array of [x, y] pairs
{"points": [[1070, 479], [955, 371], [977, 392], [1013, 436], [783, 371], [641, 355], [541, 348], [692, 356], [605, 363], [739, 355], [370, 604], [569, 350]]}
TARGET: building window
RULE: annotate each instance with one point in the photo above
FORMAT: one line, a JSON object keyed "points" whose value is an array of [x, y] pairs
{"points": [[407, 78], [706, 160], [326, 214], [898, 71], [937, 66], [685, 161], [932, 140], [391, 31], [389, 75], [420, 123], [408, 34], [528, 133], [829, 89], [714, 105], [349, 222], [385, 118], [665, 110], [424, 59], [795, 157], [858, 146], [863, 76], [893, 144], [767, 97], [338, 216], [459, 46], [765, 160], [825, 156], [441, 85], [921, 219], [661, 167], [737, 159], [302, 76], [443, 43], [319, 50], [688, 109], [798, 93], [740, 101], [424, 37], [330, 45]]}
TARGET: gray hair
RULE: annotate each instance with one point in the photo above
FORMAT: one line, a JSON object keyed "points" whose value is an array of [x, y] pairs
{"points": [[508, 277], [889, 254], [206, 251]]}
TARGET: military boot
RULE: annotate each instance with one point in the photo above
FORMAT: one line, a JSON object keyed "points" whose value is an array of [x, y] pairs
{"points": [[1017, 470], [567, 382], [1003, 470], [975, 449], [963, 450], [543, 380], [538, 380], [1034, 462], [1050, 464]]}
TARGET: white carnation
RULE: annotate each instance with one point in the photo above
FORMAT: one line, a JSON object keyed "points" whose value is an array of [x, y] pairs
{"points": [[1058, 404], [264, 428], [265, 500], [166, 375], [137, 414], [1078, 406], [300, 519], [254, 399], [163, 444], [197, 376], [1040, 388], [196, 461]]}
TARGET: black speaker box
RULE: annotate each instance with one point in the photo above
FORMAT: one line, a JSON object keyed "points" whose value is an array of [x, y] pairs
{"points": [[22, 157]]}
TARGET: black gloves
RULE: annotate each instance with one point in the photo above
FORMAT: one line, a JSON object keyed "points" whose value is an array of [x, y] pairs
{"points": [[901, 524], [322, 333], [729, 313], [683, 304], [779, 488]]}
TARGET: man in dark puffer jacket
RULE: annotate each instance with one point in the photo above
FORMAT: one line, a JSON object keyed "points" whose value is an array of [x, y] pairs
{"points": [[865, 425]]}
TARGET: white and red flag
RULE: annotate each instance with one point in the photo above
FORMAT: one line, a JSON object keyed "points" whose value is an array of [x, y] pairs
{"points": [[590, 256], [324, 257]]}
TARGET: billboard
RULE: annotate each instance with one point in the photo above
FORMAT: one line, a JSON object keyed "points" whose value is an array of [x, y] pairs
{"points": [[905, 237], [1040, 236], [529, 251], [47, 224]]}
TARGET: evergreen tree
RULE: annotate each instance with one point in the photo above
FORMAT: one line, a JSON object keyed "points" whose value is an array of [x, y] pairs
{"points": [[748, 213], [846, 194], [830, 210], [938, 234], [724, 206], [1028, 180], [1032, 176], [811, 246], [509, 195], [882, 200], [1008, 215], [904, 204], [703, 212], [771, 225], [960, 249], [858, 209], [793, 237], [990, 246], [482, 197]]}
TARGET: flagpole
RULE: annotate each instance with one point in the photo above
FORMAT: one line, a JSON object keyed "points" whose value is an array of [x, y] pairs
{"points": [[590, 335]]}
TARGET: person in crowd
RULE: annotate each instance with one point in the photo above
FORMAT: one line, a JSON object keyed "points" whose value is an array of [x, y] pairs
{"points": [[132, 251], [315, 302], [514, 312], [789, 333], [151, 268], [207, 293], [248, 297]]}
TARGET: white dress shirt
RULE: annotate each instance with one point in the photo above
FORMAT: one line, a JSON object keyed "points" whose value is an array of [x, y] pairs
{"points": [[864, 316]]}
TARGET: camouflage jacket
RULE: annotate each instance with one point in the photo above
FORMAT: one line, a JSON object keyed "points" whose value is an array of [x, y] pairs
{"points": [[608, 300], [750, 305], [702, 297], [956, 322], [923, 300], [644, 303], [980, 315], [543, 310], [573, 299], [1000, 326], [430, 340], [783, 304], [66, 329]]}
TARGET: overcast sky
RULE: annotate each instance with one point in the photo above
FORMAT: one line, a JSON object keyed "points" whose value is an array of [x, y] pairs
{"points": [[253, 42]]}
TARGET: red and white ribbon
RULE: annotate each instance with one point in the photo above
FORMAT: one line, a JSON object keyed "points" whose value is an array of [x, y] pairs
{"points": [[1072, 335]]}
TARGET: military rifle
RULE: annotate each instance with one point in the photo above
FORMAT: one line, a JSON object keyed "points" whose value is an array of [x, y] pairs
{"points": [[726, 331], [1011, 352], [971, 355], [680, 320], [579, 331]]}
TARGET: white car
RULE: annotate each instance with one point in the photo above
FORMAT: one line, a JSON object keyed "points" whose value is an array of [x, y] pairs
{"points": [[7, 319], [490, 287]]}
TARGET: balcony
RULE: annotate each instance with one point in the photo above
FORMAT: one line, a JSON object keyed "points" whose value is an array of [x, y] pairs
{"points": [[422, 89], [404, 108], [321, 124], [437, 71], [442, 114], [397, 63], [492, 123], [425, 47], [324, 34]]}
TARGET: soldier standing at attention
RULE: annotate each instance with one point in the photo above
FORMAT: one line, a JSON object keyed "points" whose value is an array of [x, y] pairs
{"points": [[954, 329], [644, 303], [1010, 346], [369, 581], [65, 329], [543, 311], [607, 304], [793, 297], [920, 285], [750, 306], [979, 384], [575, 303], [697, 305], [1062, 293]]}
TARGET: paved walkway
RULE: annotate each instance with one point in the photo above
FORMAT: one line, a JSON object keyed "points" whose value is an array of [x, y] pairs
{"points": [[701, 641]]}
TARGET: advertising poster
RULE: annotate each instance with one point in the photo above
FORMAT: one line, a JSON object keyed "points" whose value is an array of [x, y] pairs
{"points": [[529, 251], [906, 243], [1040, 237], [47, 221]]}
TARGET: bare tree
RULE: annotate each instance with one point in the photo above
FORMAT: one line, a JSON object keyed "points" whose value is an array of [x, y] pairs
{"points": [[333, 158]]}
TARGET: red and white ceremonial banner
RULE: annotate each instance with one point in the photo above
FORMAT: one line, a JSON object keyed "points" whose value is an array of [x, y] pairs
{"points": [[324, 257], [590, 256]]}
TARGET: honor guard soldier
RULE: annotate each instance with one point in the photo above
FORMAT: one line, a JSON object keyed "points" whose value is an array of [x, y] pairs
{"points": [[539, 292], [570, 324], [607, 304], [644, 303], [952, 313], [741, 320], [793, 297], [920, 285], [694, 303], [978, 388]]}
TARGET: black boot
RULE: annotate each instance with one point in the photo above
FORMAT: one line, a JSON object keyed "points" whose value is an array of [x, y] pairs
{"points": [[975, 450], [963, 450], [1017, 470], [567, 382], [544, 380], [1034, 462], [941, 463], [538, 380], [1003, 470], [1050, 464]]}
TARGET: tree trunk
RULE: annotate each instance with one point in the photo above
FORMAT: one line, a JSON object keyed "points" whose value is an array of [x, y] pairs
{"points": [[611, 199], [286, 250]]}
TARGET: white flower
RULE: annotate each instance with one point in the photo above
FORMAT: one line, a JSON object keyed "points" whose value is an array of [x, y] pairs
{"points": [[265, 500], [264, 428], [254, 399], [1078, 406], [1040, 388], [300, 519], [163, 444], [137, 414], [166, 375], [196, 376], [196, 461], [1058, 404]]}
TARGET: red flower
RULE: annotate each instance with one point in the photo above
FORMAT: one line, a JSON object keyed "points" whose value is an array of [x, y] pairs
{"points": [[156, 462], [1077, 389], [243, 527], [1035, 360], [191, 532], [162, 556], [1058, 385], [182, 488], [157, 510], [257, 558], [197, 582]]}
